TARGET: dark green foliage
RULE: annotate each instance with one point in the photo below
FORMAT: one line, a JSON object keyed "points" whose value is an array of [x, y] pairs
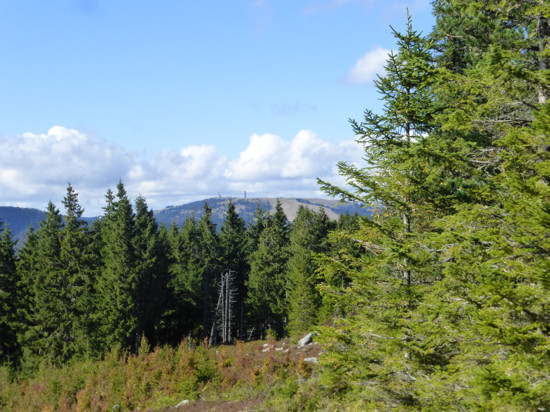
{"points": [[76, 266], [117, 311], [80, 290], [151, 274], [233, 243], [308, 237], [185, 284], [268, 282], [51, 333], [133, 286], [209, 266], [27, 265], [255, 228], [49, 301], [56, 269], [10, 298]]}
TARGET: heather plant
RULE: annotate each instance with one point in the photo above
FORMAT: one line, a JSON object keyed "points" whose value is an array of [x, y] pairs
{"points": [[157, 378]]}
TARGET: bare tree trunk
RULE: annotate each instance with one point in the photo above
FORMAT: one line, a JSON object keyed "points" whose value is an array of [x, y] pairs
{"points": [[543, 32], [407, 272], [223, 315]]}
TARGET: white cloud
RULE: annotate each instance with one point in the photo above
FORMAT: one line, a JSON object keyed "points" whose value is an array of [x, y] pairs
{"points": [[262, 159], [307, 156], [35, 168], [174, 177], [368, 66]]}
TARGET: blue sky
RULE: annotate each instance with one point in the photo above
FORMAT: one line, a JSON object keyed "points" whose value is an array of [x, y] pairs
{"points": [[185, 99]]}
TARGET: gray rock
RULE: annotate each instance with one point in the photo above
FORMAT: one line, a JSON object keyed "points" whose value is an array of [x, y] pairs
{"points": [[184, 402], [306, 340]]}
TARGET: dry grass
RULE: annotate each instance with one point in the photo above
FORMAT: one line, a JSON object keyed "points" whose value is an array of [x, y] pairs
{"points": [[231, 377]]}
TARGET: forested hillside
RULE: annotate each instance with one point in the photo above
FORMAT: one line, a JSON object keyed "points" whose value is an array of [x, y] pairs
{"points": [[439, 300], [76, 290]]}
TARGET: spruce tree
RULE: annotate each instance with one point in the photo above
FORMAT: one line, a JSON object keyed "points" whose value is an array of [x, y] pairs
{"points": [[186, 278], [255, 227], [151, 274], [493, 265], [268, 281], [76, 266], [308, 237], [465, 325], [376, 336], [27, 271], [209, 268], [233, 242], [50, 334], [10, 301], [342, 259], [117, 311]]}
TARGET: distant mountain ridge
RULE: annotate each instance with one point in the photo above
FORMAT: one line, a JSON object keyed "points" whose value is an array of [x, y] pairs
{"points": [[247, 206], [18, 219]]}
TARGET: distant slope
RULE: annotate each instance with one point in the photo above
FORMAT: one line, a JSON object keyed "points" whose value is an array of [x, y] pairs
{"points": [[19, 219], [247, 207]]}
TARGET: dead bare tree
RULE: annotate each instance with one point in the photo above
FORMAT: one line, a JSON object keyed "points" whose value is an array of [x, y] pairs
{"points": [[224, 316]]}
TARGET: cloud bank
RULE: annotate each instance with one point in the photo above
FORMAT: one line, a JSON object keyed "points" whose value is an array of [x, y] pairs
{"points": [[36, 168]]}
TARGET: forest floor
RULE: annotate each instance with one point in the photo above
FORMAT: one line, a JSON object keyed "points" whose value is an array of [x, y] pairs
{"points": [[192, 377], [280, 353]]}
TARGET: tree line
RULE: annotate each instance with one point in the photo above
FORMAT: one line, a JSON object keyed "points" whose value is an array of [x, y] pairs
{"points": [[74, 291]]}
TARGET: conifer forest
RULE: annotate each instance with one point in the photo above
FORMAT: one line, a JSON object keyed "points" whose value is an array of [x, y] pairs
{"points": [[439, 300]]}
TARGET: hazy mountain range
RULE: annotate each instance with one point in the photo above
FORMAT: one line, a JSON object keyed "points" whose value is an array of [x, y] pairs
{"points": [[19, 219]]}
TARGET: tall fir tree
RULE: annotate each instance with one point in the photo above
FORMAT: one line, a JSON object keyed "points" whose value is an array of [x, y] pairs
{"points": [[342, 259], [233, 242], [255, 228], [308, 236], [117, 310], [50, 330], [76, 266], [464, 326], [151, 274], [268, 282], [493, 264], [27, 271], [185, 284], [373, 340], [209, 266], [11, 325], [56, 262]]}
